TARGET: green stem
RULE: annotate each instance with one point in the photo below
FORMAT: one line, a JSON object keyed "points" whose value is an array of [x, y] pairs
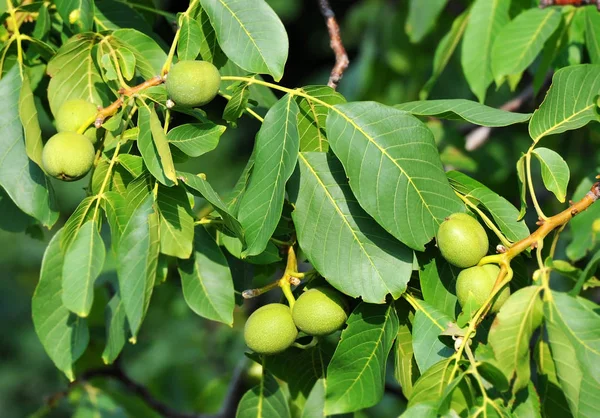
{"points": [[486, 220], [167, 66], [538, 209]]}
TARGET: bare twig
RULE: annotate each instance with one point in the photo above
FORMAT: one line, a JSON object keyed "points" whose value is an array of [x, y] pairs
{"points": [[341, 57]]}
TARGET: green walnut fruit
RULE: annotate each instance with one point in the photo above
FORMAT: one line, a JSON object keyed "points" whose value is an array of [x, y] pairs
{"points": [[193, 83], [477, 283], [68, 156], [270, 329], [75, 113], [462, 240], [320, 311]]}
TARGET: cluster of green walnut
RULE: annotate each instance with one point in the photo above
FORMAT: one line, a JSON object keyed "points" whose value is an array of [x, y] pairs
{"points": [[273, 328], [463, 243], [69, 155]]}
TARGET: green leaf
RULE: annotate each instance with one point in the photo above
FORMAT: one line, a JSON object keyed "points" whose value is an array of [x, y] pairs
{"points": [[196, 139], [405, 367], [519, 42], [209, 47], [92, 402], [235, 196], [190, 38], [555, 172], [149, 147], [422, 410], [63, 334], [313, 116], [132, 163], [511, 333], [206, 280], [527, 403], [277, 144], [570, 102], [444, 51], [250, 33], [42, 24], [421, 19], [176, 222], [435, 386], [394, 169], [116, 329], [202, 188], [149, 56], [428, 324], [300, 380], [31, 124], [586, 275], [356, 374], [137, 258], [263, 96], [161, 144], [266, 400], [315, 402], [77, 14], [20, 177], [461, 109], [79, 217], [522, 186], [592, 34], [503, 212], [438, 281], [235, 247], [552, 398], [574, 338], [113, 15], [237, 104], [486, 19], [583, 235], [83, 264], [75, 75], [344, 245]]}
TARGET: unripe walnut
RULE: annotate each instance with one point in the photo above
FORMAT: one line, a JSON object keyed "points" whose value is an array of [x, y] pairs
{"points": [[320, 311], [462, 240], [73, 114], [270, 329], [478, 282], [68, 156], [193, 83]]}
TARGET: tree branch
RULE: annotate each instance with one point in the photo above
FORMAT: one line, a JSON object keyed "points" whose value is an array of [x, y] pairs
{"points": [[341, 57]]}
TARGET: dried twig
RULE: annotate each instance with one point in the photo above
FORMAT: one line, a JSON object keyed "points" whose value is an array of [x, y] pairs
{"points": [[341, 57]]}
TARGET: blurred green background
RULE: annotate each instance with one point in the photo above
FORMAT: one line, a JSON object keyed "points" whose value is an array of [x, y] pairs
{"points": [[186, 361]]}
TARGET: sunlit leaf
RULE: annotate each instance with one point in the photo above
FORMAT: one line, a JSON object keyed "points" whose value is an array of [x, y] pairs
{"points": [[570, 102], [356, 374], [348, 248], [136, 262], [520, 41], [20, 177], [277, 145], [176, 222], [511, 333], [592, 34], [196, 139], [266, 400], [486, 19], [394, 169], [250, 33], [555, 172], [190, 38], [421, 19], [83, 263], [63, 334], [461, 109], [428, 324], [116, 328], [206, 280], [31, 124], [313, 116]]}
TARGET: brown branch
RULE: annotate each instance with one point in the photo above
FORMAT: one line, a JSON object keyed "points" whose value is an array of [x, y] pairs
{"points": [[576, 3], [341, 57], [110, 110]]}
